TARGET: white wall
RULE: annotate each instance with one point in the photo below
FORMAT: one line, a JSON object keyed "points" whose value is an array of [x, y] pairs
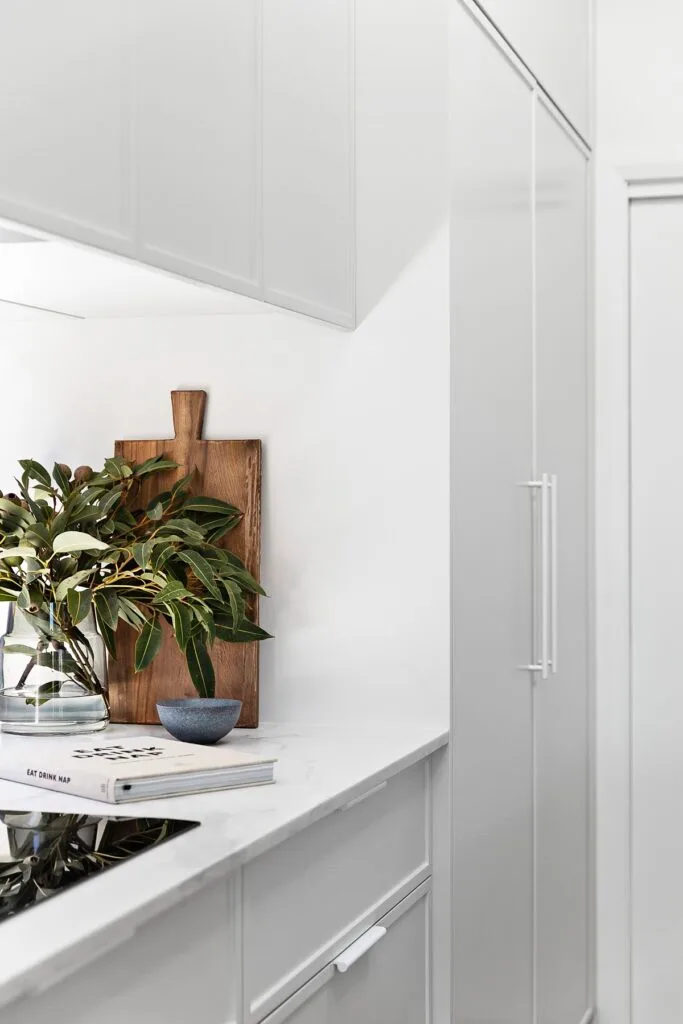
{"points": [[355, 429]]}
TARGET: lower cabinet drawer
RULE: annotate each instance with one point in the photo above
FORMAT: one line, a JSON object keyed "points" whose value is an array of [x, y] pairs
{"points": [[383, 978], [316, 893]]}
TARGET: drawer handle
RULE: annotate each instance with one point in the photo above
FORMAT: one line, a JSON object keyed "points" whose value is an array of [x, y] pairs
{"points": [[359, 948], [365, 796]]}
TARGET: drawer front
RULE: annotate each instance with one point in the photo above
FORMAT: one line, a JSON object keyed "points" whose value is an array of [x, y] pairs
{"points": [[310, 897]]}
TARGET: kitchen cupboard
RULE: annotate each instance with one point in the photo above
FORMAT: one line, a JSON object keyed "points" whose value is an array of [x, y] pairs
{"points": [[553, 38], [291, 153], [522, 805], [331, 925]]}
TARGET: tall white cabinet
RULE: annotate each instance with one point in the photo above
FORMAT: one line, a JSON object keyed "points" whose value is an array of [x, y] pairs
{"points": [[522, 805]]}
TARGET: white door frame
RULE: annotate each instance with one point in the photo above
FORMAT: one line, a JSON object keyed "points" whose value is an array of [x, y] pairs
{"points": [[615, 190]]}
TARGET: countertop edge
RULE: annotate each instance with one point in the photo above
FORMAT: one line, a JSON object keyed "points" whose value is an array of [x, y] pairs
{"points": [[117, 929]]}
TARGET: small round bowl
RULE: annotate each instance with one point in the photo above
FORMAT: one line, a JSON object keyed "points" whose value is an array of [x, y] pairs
{"points": [[199, 719]]}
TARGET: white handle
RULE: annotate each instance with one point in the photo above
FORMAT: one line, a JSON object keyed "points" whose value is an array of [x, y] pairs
{"points": [[359, 948], [545, 572], [541, 666], [553, 573]]}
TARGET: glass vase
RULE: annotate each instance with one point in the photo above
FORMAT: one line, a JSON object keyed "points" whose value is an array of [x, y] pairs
{"points": [[49, 686]]}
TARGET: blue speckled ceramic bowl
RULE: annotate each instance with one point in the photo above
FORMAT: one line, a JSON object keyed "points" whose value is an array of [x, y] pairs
{"points": [[199, 719]]}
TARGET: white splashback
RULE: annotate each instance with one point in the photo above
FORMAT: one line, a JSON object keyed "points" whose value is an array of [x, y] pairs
{"points": [[355, 431]]}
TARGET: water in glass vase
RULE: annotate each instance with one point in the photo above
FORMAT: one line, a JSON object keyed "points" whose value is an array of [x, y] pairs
{"points": [[52, 686]]}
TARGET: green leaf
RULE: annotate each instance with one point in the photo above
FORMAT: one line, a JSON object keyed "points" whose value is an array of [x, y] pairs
{"points": [[61, 479], [44, 692], [212, 506], [117, 468], [246, 632], [141, 553], [181, 617], [107, 607], [148, 643], [16, 511], [35, 471], [79, 603], [200, 667], [108, 634], [155, 512], [74, 540], [23, 551], [109, 501], [38, 535], [131, 614], [70, 582], [30, 652], [173, 591], [154, 465], [184, 526], [236, 600], [208, 623], [202, 570]]}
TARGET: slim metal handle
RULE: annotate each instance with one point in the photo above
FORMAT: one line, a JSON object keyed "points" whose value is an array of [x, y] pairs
{"points": [[542, 485], [545, 572], [554, 627], [359, 948]]}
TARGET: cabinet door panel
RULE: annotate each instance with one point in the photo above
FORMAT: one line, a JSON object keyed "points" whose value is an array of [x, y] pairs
{"points": [[308, 157], [492, 529], [553, 39], [562, 701], [197, 126], [64, 161], [390, 983]]}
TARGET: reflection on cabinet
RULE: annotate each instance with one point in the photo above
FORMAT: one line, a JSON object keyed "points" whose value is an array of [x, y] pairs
{"points": [[293, 153], [520, 560], [552, 37], [561, 702]]}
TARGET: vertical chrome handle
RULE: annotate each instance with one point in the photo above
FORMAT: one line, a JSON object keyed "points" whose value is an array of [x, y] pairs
{"points": [[542, 485], [545, 572], [553, 572]]}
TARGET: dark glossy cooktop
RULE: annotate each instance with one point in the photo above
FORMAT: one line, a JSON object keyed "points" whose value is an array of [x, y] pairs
{"points": [[42, 854]]}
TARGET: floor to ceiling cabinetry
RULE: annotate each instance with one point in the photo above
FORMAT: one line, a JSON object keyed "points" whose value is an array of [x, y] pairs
{"points": [[522, 807], [553, 38]]}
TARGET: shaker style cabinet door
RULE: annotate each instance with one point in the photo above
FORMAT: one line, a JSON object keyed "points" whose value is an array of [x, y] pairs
{"points": [[64, 111], [492, 420], [562, 705], [387, 983], [197, 124]]}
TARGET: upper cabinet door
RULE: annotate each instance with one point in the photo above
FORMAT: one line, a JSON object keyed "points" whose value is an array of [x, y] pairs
{"points": [[552, 37], [492, 420], [64, 114], [196, 125], [562, 701]]}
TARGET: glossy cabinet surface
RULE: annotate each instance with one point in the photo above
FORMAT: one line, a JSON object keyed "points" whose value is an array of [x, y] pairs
{"points": [[562, 702], [492, 424], [552, 37]]}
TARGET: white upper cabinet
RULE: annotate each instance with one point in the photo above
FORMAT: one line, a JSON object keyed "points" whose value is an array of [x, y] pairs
{"points": [[553, 39], [293, 153], [65, 144]]}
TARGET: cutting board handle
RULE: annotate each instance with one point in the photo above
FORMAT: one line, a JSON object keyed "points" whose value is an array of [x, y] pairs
{"points": [[188, 414]]}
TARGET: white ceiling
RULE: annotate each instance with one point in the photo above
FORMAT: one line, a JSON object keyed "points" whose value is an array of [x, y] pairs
{"points": [[54, 279]]}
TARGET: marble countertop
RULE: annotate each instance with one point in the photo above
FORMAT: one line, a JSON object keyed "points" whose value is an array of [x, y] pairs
{"points": [[319, 769]]}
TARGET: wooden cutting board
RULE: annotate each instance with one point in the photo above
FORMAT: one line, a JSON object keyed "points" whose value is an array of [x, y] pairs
{"points": [[230, 470]]}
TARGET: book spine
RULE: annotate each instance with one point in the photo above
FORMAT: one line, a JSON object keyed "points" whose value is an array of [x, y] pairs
{"points": [[90, 785]]}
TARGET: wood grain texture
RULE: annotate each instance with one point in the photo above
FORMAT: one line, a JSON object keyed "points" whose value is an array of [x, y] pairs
{"points": [[230, 470]]}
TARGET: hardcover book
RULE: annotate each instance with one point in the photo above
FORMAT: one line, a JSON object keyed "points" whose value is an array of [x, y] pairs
{"points": [[138, 768]]}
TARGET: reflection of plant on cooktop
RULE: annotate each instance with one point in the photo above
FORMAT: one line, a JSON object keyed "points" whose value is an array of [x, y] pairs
{"points": [[42, 854]]}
